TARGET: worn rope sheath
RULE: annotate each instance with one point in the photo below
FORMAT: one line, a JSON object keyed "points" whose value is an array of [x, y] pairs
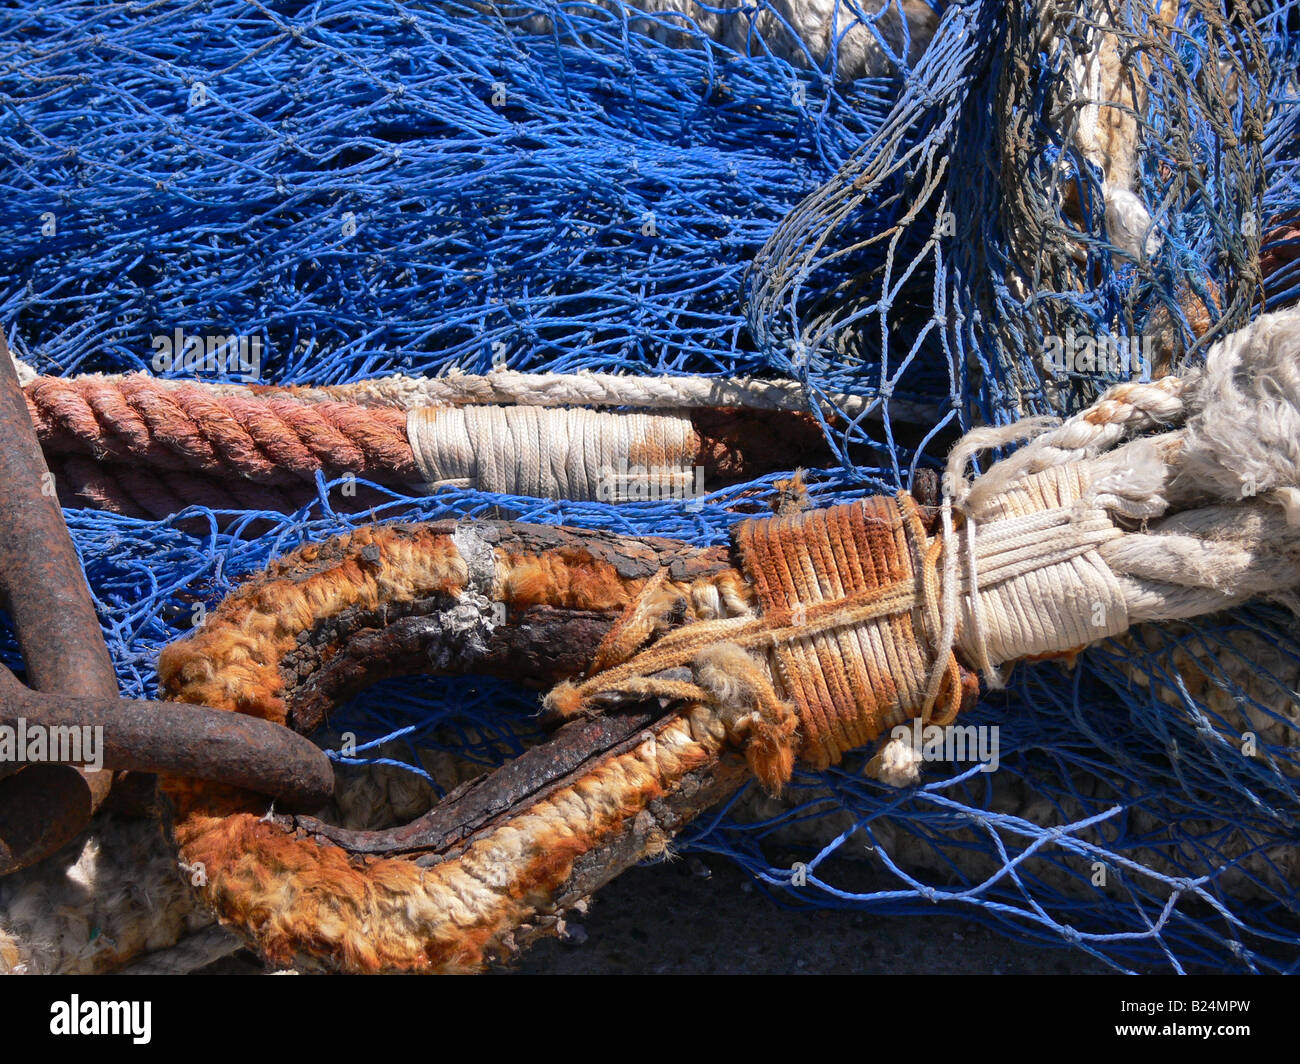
{"points": [[583, 388], [249, 449], [552, 454]]}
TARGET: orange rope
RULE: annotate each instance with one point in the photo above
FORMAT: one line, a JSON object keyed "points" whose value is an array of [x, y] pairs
{"points": [[189, 429], [849, 619], [854, 678]]}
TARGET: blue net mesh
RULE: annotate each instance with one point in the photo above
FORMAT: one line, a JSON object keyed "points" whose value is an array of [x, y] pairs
{"points": [[388, 187]]}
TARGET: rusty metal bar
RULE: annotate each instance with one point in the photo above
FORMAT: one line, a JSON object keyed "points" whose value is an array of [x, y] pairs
{"points": [[40, 576], [42, 587], [75, 702], [172, 738]]}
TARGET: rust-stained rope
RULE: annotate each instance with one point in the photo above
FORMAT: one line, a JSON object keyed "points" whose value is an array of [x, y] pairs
{"points": [[270, 441], [332, 617], [206, 446], [322, 621], [848, 613]]}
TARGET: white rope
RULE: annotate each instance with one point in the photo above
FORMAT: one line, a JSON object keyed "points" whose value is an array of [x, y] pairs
{"points": [[584, 388], [1035, 559], [1049, 542], [559, 454]]}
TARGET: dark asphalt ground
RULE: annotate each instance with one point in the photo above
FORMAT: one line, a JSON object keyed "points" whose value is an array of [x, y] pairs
{"points": [[686, 917]]}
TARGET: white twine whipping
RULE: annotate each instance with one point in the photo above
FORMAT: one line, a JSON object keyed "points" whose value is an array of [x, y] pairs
{"points": [[554, 453]]}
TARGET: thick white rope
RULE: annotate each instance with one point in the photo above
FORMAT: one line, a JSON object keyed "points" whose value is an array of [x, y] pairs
{"points": [[557, 454], [1049, 539], [1049, 542]]}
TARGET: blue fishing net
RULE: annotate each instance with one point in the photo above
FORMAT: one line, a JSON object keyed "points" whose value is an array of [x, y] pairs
{"points": [[383, 187]]}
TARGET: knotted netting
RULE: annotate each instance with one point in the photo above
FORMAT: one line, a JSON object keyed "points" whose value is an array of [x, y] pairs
{"points": [[899, 204]]}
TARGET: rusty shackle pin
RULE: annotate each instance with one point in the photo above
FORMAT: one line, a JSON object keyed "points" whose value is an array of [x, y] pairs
{"points": [[45, 805]]}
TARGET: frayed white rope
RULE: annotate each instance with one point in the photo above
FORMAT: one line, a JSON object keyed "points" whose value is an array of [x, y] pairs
{"points": [[1048, 540], [584, 388]]}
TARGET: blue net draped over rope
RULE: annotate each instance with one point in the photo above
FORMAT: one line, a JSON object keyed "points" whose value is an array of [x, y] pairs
{"points": [[373, 188]]}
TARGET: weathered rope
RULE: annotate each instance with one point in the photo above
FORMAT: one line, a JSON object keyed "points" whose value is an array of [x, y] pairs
{"points": [[582, 388], [855, 678], [860, 616], [188, 428], [1123, 411], [585, 388], [554, 454], [149, 448], [304, 901], [838, 590]]}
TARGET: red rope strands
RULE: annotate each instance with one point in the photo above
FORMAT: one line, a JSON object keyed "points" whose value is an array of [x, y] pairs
{"points": [[188, 429]]}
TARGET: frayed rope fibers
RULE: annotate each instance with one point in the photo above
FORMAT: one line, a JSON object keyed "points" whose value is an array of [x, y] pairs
{"points": [[382, 187]]}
